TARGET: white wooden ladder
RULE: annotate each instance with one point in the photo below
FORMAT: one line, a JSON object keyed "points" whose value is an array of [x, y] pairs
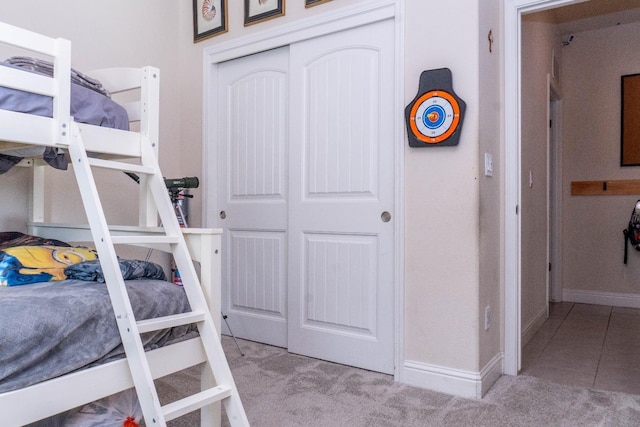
{"points": [[130, 329]]}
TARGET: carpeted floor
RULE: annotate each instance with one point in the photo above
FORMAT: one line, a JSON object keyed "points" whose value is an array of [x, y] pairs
{"points": [[279, 389]]}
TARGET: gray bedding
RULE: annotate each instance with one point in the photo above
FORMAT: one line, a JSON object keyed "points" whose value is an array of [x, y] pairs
{"points": [[53, 328], [46, 67], [87, 106]]}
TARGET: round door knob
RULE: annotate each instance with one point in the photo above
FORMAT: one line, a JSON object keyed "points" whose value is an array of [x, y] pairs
{"points": [[385, 216], [223, 214]]}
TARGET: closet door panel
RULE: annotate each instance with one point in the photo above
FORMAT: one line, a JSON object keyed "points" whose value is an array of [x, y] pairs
{"points": [[252, 196], [341, 182]]}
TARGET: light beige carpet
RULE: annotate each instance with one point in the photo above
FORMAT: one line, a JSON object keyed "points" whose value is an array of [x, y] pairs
{"points": [[279, 389]]}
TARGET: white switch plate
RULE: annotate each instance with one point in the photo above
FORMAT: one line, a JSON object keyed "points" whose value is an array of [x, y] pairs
{"points": [[488, 164], [487, 318]]}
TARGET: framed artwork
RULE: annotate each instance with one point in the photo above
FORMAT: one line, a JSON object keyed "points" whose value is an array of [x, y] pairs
{"points": [[309, 3], [630, 115], [209, 18], [260, 10]]}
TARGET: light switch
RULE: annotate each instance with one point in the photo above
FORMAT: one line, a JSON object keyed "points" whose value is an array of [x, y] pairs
{"points": [[488, 164]]}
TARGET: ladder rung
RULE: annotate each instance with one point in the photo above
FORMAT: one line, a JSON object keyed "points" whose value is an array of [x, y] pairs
{"points": [[172, 321], [196, 401], [121, 166], [139, 239]]}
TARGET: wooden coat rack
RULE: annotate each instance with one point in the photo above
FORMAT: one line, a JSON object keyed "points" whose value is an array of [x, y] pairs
{"points": [[610, 188]]}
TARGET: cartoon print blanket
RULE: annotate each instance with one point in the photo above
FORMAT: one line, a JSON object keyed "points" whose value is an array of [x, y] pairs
{"points": [[26, 259], [23, 265]]}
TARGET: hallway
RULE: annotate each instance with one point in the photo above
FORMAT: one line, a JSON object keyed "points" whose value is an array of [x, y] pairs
{"points": [[587, 346]]}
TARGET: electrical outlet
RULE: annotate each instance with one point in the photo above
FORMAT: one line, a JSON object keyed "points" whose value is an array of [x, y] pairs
{"points": [[487, 318]]}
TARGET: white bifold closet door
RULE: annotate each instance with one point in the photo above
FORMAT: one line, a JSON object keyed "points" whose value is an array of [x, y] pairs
{"points": [[306, 183]]}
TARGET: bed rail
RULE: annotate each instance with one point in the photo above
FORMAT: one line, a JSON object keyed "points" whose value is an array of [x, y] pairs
{"points": [[106, 141], [143, 109], [29, 40], [27, 129], [54, 131]]}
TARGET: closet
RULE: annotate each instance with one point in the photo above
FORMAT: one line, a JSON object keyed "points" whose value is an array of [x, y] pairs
{"points": [[305, 184]]}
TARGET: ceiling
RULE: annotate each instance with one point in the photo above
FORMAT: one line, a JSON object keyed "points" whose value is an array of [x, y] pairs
{"points": [[590, 15]]}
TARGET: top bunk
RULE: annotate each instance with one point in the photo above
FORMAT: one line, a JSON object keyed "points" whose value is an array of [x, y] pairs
{"points": [[39, 110]]}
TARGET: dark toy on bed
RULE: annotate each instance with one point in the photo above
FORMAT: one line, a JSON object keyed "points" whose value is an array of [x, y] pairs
{"points": [[10, 239]]}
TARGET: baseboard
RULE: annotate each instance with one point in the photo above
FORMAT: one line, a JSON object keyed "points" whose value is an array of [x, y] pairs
{"points": [[615, 299], [456, 382], [532, 327]]}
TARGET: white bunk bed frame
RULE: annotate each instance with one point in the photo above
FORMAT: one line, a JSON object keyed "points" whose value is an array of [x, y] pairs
{"points": [[54, 396]]}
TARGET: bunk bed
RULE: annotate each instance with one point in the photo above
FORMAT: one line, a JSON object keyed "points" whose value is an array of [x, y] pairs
{"points": [[23, 135]]}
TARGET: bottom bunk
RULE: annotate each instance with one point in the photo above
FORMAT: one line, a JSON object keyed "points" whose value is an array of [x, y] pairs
{"points": [[79, 388], [60, 344], [54, 328]]}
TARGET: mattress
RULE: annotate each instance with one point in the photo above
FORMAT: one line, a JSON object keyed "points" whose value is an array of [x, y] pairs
{"points": [[53, 328]]}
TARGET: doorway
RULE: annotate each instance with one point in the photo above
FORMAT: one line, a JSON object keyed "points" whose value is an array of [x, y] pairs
{"points": [[514, 9], [306, 196], [555, 193]]}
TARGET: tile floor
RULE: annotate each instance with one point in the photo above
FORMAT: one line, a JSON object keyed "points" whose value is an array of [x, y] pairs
{"points": [[587, 345]]}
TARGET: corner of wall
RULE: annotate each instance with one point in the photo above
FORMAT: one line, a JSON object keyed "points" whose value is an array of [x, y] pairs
{"points": [[456, 382]]}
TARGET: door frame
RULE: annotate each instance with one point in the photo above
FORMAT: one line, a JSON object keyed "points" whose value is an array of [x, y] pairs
{"points": [[554, 183], [513, 11], [292, 32]]}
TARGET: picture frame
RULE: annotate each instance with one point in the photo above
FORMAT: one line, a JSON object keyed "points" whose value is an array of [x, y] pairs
{"points": [[209, 19], [630, 120], [311, 3], [256, 11]]}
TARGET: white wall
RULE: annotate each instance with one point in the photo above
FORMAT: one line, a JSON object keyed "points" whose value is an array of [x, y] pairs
{"points": [[592, 240], [442, 230], [490, 207]]}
